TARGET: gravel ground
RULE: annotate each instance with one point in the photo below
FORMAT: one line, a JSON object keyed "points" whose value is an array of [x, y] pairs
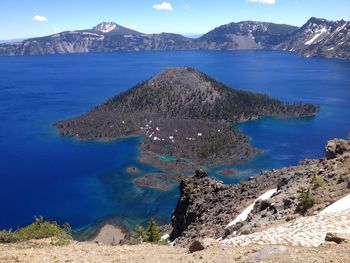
{"points": [[43, 251]]}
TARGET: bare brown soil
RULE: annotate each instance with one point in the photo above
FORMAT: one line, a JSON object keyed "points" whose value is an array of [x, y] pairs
{"points": [[43, 251]]}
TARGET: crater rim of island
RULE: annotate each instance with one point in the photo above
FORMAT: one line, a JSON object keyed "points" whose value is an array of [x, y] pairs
{"points": [[119, 26], [172, 71], [183, 75], [312, 18]]}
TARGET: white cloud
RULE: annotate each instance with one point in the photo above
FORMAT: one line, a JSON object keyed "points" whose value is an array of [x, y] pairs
{"points": [[56, 29], [270, 2], [163, 6], [187, 7], [40, 18]]}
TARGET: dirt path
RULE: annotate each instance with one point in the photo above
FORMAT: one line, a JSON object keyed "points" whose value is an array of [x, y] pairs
{"points": [[39, 252]]}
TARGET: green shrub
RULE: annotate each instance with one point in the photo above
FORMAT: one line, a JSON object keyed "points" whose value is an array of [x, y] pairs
{"points": [[306, 201], [141, 233], [151, 234], [342, 178], [317, 181], [39, 229], [63, 237], [8, 237]]}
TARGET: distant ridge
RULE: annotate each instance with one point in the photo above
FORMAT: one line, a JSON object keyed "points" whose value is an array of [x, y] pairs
{"points": [[317, 38], [320, 38], [12, 40], [245, 35]]}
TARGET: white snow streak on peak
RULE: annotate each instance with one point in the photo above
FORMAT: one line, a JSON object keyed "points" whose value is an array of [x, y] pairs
{"points": [[338, 206], [106, 27], [243, 216], [319, 33]]}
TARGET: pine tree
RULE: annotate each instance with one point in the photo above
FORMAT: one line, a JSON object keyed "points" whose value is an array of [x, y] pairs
{"points": [[153, 231]]}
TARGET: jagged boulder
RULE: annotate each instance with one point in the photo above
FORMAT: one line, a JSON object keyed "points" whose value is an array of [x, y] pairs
{"points": [[337, 147], [184, 214], [337, 237], [199, 174], [195, 246], [200, 210]]}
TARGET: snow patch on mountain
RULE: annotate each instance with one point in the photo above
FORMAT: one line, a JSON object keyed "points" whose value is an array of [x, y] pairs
{"points": [[106, 27], [318, 34]]}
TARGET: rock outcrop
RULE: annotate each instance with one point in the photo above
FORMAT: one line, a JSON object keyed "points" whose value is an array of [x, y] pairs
{"points": [[337, 147], [320, 38], [206, 206], [337, 238], [245, 35], [195, 246]]}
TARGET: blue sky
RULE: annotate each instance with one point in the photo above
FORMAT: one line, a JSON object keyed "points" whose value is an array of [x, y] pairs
{"points": [[153, 16]]}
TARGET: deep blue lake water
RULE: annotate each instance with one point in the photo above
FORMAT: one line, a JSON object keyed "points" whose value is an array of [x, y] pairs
{"points": [[42, 173]]}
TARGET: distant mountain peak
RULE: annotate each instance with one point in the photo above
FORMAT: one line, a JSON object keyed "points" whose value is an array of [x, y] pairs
{"points": [[317, 37], [106, 27], [178, 72], [314, 21]]}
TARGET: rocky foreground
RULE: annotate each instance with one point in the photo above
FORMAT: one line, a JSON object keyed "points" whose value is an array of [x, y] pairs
{"points": [[272, 224], [206, 207]]}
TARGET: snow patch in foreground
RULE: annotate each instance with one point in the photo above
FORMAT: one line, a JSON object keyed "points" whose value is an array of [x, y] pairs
{"points": [[243, 216], [164, 237], [338, 206]]}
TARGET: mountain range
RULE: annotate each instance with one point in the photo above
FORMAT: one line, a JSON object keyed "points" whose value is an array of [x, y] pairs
{"points": [[316, 38]]}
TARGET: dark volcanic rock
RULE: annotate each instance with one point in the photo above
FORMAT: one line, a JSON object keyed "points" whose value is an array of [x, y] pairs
{"points": [[337, 147], [195, 246], [337, 238], [182, 113], [206, 206], [200, 174]]}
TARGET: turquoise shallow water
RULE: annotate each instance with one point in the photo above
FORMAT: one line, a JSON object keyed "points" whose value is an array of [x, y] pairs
{"points": [[59, 178]]}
